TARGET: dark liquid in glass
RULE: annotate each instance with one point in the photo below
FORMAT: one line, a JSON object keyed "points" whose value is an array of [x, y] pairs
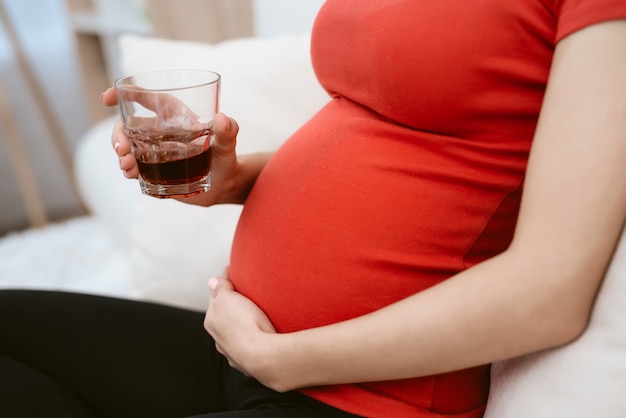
{"points": [[182, 157]]}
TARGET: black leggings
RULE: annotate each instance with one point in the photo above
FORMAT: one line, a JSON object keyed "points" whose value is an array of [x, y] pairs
{"points": [[74, 355]]}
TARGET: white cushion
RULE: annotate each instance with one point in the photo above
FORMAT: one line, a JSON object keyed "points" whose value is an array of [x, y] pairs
{"points": [[584, 379], [177, 247], [269, 87]]}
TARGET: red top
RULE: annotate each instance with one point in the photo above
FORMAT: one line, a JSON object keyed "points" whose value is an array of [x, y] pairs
{"points": [[412, 173]]}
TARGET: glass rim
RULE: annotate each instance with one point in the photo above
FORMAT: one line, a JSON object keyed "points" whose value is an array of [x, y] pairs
{"points": [[120, 83]]}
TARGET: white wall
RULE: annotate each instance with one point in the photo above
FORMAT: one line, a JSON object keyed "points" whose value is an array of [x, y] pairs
{"points": [[278, 17]]}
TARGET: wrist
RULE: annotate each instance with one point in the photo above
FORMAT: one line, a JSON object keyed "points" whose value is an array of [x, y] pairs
{"points": [[249, 168], [240, 185], [237, 187], [266, 362]]}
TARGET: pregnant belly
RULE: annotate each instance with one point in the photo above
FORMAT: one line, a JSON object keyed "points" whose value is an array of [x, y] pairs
{"points": [[352, 214]]}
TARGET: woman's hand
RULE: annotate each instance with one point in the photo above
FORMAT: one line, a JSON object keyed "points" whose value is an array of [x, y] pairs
{"points": [[226, 184], [241, 330]]}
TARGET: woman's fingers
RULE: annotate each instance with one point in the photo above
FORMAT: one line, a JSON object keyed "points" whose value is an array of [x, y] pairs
{"points": [[162, 103], [119, 140], [131, 94], [128, 165], [225, 131], [109, 97], [121, 145]]}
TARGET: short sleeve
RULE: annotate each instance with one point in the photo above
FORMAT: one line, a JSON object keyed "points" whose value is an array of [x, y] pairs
{"points": [[577, 14]]}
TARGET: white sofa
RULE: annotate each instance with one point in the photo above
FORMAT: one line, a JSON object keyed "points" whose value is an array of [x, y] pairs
{"points": [[138, 247]]}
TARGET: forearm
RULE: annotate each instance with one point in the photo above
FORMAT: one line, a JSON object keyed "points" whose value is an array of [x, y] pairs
{"points": [[236, 189], [469, 320]]}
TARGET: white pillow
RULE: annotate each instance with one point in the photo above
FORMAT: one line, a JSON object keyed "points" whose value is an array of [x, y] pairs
{"points": [[177, 247], [584, 379], [269, 87]]}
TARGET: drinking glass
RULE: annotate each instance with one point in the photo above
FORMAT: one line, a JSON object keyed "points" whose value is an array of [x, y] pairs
{"points": [[168, 116]]}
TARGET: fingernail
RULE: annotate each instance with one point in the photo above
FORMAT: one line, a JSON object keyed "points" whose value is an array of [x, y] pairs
{"points": [[213, 281], [117, 144]]}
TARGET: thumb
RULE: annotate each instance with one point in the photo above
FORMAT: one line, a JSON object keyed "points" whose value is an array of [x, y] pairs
{"points": [[225, 132]]}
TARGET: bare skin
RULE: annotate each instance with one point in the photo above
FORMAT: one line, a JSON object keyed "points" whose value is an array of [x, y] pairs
{"points": [[537, 294]]}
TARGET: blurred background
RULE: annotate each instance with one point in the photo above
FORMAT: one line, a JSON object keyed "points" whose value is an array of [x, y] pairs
{"points": [[57, 56]]}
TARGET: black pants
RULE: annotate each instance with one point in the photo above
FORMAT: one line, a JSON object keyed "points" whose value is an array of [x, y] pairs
{"points": [[71, 355]]}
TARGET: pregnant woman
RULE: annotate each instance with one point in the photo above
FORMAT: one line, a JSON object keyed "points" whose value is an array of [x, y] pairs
{"points": [[419, 227]]}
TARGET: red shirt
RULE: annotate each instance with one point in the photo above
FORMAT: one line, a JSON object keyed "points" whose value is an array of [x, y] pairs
{"points": [[411, 174]]}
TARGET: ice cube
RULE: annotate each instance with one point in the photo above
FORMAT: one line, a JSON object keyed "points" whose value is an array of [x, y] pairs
{"points": [[178, 122]]}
